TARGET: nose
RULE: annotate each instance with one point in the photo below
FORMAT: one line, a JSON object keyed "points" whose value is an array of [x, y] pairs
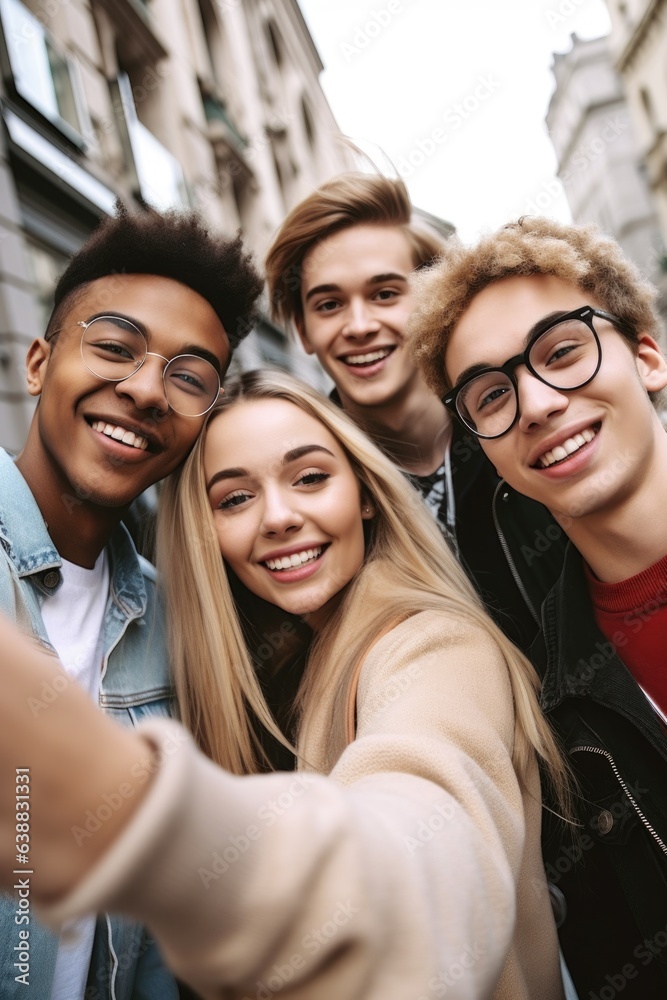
{"points": [[537, 400], [360, 321], [279, 516], [146, 386]]}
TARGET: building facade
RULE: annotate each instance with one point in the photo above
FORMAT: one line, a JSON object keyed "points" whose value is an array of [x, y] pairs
{"points": [[638, 43], [210, 104], [600, 160]]}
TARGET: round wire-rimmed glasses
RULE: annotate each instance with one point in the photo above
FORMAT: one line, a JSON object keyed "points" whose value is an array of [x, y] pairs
{"points": [[114, 349], [565, 355]]}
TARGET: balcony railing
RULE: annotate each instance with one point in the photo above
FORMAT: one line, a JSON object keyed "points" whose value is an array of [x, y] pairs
{"points": [[216, 111]]}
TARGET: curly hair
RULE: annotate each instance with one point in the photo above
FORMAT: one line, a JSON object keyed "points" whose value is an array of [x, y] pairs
{"points": [[351, 199], [581, 255], [174, 245]]}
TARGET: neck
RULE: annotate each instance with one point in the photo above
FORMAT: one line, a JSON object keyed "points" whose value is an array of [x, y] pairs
{"points": [[629, 536], [414, 433], [78, 528]]}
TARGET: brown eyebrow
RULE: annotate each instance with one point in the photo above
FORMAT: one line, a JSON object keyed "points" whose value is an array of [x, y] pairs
{"points": [[377, 279], [305, 449], [482, 366], [321, 288], [289, 456], [225, 474], [201, 352], [194, 349]]}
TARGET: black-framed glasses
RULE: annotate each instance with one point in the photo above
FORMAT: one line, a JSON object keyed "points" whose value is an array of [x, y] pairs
{"points": [[564, 355], [114, 349]]}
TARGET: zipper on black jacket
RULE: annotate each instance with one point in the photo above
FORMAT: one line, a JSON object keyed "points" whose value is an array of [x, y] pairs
{"points": [[642, 817], [508, 555]]}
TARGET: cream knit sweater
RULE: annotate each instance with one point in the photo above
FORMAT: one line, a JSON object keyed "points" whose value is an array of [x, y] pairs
{"points": [[409, 869]]}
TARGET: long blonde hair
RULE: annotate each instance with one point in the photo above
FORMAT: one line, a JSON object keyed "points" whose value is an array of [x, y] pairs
{"points": [[216, 683]]}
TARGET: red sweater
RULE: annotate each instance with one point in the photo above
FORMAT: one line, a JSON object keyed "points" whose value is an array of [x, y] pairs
{"points": [[632, 615]]}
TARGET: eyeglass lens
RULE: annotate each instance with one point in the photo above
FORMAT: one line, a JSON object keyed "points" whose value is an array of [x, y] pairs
{"points": [[565, 357], [114, 349]]}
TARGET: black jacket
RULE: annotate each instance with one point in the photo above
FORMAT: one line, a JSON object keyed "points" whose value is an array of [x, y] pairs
{"points": [[614, 873], [510, 545]]}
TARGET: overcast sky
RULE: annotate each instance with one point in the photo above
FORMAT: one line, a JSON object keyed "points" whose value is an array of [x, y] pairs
{"points": [[455, 93]]}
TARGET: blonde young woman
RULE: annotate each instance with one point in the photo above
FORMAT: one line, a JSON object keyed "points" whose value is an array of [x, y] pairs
{"points": [[402, 859]]}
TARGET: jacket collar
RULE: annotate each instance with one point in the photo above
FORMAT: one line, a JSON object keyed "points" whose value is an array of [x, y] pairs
{"points": [[578, 661], [24, 535], [23, 531], [468, 462]]}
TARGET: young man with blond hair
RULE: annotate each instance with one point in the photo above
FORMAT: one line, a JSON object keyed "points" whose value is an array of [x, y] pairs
{"points": [[339, 272], [542, 340]]}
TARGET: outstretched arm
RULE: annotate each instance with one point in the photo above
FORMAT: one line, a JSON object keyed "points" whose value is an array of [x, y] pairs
{"points": [[376, 882], [73, 755]]}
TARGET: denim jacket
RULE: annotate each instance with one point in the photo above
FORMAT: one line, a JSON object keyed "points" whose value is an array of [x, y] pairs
{"points": [[135, 683]]}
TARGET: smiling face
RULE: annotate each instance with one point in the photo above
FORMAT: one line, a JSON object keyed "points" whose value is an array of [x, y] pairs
{"points": [[286, 505], [356, 303], [583, 452], [105, 442]]}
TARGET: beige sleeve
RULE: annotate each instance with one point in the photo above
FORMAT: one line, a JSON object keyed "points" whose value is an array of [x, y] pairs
{"points": [[384, 881]]}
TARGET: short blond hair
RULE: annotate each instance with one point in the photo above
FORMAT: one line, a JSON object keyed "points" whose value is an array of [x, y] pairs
{"points": [[351, 199], [581, 255]]}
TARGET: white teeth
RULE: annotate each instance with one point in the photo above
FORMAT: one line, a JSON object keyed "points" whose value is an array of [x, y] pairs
{"points": [[365, 359], [296, 559], [568, 447], [120, 434]]}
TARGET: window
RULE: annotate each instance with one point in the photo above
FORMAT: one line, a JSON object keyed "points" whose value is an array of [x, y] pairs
{"points": [[159, 174], [647, 104], [307, 122], [275, 42], [41, 74]]}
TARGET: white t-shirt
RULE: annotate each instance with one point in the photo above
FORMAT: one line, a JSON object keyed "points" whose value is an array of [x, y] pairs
{"points": [[74, 618]]}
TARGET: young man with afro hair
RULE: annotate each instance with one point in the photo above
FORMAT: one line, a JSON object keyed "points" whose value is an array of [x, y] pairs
{"points": [[542, 339], [145, 318]]}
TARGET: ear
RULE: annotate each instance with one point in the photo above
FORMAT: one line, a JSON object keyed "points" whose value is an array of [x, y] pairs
{"points": [[36, 363], [303, 336], [651, 364], [368, 511]]}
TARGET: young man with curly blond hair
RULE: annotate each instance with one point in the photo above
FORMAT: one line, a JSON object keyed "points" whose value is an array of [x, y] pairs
{"points": [[542, 340], [339, 273]]}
